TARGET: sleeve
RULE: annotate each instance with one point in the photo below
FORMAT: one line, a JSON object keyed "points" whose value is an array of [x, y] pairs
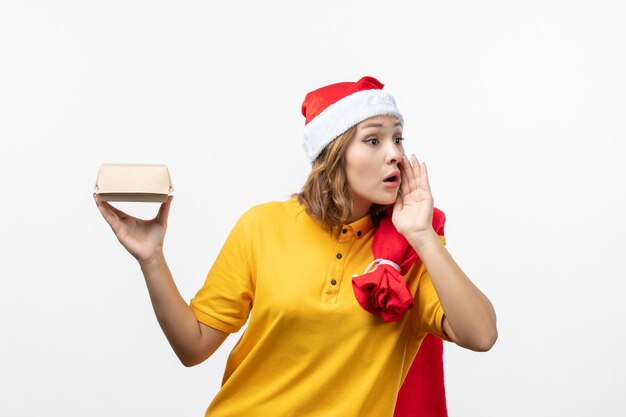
{"points": [[429, 313], [225, 299]]}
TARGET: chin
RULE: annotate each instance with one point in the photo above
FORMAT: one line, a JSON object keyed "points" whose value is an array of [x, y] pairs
{"points": [[386, 200], [380, 198]]}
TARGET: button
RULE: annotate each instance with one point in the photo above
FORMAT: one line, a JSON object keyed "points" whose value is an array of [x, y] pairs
{"points": [[334, 282], [339, 256], [358, 233], [344, 231]]}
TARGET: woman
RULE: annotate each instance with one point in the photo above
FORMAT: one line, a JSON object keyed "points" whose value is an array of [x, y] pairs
{"points": [[333, 321]]}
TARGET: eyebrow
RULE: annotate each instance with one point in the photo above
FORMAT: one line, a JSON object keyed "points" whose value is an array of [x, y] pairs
{"points": [[378, 125]]}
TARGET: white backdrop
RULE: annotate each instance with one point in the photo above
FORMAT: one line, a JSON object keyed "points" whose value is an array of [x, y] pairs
{"points": [[517, 107]]}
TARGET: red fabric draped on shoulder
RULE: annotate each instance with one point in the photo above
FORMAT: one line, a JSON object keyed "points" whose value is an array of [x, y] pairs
{"points": [[382, 290], [423, 392]]}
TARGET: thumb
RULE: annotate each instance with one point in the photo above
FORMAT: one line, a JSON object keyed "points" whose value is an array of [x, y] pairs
{"points": [[164, 211], [397, 205]]}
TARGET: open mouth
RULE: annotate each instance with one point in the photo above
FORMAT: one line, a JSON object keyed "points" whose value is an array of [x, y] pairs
{"points": [[392, 178]]}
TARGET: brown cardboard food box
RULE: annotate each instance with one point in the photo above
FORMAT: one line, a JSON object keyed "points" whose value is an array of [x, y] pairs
{"points": [[134, 182]]}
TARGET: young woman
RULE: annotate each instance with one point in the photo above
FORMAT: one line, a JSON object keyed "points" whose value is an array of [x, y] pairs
{"points": [[339, 284]]}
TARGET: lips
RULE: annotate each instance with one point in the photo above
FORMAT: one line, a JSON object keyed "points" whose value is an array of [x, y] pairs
{"points": [[392, 177], [392, 180]]}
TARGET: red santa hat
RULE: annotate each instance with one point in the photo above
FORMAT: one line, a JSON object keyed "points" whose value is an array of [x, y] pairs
{"points": [[335, 108]]}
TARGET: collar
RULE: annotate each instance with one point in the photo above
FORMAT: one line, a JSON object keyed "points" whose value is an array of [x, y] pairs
{"points": [[357, 228]]}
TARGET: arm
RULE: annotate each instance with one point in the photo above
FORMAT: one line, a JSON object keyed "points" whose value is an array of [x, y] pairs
{"points": [[192, 341], [470, 319]]}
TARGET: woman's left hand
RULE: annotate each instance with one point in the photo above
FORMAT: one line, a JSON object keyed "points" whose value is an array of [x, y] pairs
{"points": [[413, 209]]}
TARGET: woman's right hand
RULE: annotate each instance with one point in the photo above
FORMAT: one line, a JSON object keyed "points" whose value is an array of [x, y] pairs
{"points": [[142, 238]]}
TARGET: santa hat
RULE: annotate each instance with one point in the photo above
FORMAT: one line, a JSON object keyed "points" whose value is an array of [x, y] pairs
{"points": [[335, 108]]}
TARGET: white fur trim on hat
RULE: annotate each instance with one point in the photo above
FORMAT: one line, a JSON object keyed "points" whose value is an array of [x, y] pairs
{"points": [[344, 114]]}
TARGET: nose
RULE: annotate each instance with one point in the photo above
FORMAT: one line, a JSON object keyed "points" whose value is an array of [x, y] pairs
{"points": [[394, 153]]}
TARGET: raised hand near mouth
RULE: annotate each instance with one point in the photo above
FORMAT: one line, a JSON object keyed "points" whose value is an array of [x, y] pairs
{"points": [[413, 209]]}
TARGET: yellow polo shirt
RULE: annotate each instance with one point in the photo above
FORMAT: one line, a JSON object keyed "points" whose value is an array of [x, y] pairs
{"points": [[309, 349]]}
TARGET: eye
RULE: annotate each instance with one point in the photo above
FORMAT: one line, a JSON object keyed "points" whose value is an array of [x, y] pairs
{"points": [[398, 140], [372, 141]]}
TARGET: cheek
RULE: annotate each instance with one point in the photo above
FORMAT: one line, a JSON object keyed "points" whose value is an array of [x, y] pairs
{"points": [[359, 172]]}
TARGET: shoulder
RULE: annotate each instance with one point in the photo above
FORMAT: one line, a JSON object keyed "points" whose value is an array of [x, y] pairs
{"points": [[268, 223], [271, 212]]}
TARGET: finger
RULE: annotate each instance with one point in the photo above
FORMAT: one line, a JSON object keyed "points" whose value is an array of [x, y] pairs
{"points": [[108, 214], [416, 169], [397, 205], [424, 177], [405, 188], [120, 214], [410, 173], [164, 211]]}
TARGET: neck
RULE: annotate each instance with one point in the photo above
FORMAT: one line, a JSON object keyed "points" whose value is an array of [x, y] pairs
{"points": [[359, 210]]}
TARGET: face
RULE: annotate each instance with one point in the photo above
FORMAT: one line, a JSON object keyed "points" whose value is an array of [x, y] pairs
{"points": [[372, 163]]}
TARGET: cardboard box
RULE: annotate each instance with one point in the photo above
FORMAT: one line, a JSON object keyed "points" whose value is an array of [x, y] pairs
{"points": [[134, 182]]}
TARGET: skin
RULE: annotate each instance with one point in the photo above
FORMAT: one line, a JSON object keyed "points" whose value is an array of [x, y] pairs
{"points": [[192, 341], [374, 153]]}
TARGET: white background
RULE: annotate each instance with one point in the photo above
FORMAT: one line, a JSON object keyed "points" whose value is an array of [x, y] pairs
{"points": [[517, 107]]}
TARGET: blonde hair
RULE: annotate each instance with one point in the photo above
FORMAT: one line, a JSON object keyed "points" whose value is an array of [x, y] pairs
{"points": [[326, 195]]}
